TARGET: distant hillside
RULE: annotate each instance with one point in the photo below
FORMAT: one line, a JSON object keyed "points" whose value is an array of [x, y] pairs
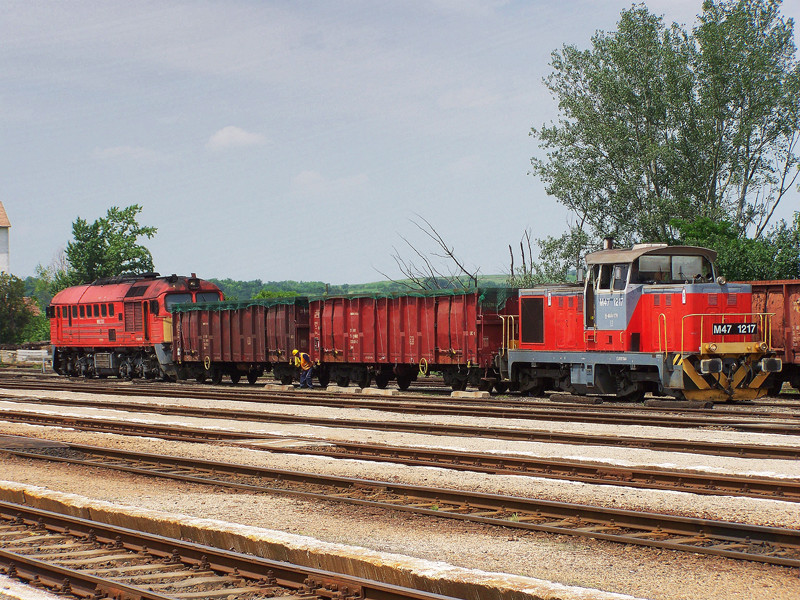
{"points": [[244, 290]]}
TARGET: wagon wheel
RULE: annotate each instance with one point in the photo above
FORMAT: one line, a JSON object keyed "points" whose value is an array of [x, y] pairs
{"points": [[403, 381], [324, 378], [216, 376], [459, 385], [200, 378], [381, 380], [236, 377], [364, 380], [286, 380], [343, 381], [252, 377]]}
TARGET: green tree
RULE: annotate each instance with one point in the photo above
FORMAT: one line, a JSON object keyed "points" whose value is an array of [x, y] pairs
{"points": [[775, 255], [660, 124], [14, 312], [108, 246]]}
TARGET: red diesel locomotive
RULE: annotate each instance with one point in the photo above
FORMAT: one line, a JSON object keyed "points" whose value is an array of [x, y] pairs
{"points": [[122, 325], [653, 318]]}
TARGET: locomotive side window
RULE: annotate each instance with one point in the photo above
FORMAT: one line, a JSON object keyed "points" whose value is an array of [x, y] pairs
{"points": [[604, 283], [97, 311], [532, 320], [620, 277], [74, 313], [83, 312], [103, 310], [110, 310]]}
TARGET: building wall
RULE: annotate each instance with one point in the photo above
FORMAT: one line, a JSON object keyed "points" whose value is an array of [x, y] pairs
{"points": [[4, 264]]}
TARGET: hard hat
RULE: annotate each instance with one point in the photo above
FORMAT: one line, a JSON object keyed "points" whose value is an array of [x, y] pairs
{"points": [[294, 351]]}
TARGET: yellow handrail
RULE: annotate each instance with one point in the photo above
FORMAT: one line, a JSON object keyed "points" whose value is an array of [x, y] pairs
{"points": [[663, 318]]}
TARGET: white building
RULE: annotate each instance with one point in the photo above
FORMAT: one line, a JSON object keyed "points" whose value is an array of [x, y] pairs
{"points": [[5, 224]]}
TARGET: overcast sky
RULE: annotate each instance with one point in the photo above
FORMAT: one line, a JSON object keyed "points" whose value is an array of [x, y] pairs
{"points": [[286, 140]]}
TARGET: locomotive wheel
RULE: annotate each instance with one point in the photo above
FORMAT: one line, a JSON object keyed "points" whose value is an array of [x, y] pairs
{"points": [[381, 381], [343, 381], [252, 377], [236, 377], [635, 396], [403, 381]]}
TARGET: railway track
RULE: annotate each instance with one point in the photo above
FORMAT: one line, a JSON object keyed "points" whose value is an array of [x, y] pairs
{"points": [[89, 559], [772, 545], [737, 417], [786, 490], [527, 435]]}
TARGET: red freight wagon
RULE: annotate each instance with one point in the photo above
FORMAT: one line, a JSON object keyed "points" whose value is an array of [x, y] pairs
{"points": [[781, 299], [390, 336], [235, 338]]}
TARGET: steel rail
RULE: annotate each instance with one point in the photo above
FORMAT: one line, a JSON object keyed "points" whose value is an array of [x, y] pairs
{"points": [[772, 545], [559, 412], [786, 490], [524, 435], [236, 573]]}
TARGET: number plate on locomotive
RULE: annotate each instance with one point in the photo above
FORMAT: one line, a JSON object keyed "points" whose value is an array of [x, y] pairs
{"points": [[734, 328]]}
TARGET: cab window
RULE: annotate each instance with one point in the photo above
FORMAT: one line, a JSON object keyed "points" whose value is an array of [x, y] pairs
{"points": [[620, 277], [207, 297], [171, 300], [604, 283]]}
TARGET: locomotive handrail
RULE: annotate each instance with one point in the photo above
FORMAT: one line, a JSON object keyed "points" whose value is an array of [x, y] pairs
{"points": [[663, 317], [764, 321], [509, 340]]}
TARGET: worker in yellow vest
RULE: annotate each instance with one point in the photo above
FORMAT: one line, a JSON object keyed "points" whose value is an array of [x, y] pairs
{"points": [[303, 360]]}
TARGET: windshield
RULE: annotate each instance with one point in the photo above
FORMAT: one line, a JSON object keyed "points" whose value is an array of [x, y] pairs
{"points": [[207, 296], [172, 299], [674, 269]]}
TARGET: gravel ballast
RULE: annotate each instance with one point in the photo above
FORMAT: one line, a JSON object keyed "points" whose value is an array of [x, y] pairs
{"points": [[636, 571]]}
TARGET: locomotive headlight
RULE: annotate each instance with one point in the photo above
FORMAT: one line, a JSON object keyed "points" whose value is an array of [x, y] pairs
{"points": [[763, 346], [711, 365], [771, 365], [712, 347]]}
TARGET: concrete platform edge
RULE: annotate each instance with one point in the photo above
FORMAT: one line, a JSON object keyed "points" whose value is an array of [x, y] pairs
{"points": [[436, 577]]}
